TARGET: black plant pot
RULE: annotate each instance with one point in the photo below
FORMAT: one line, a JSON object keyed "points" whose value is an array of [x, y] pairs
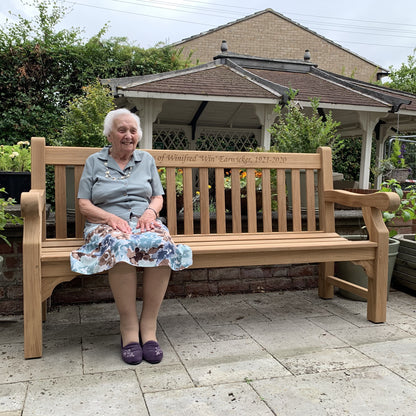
{"points": [[14, 184]]}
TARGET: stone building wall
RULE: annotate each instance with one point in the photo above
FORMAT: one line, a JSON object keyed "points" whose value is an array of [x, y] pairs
{"points": [[268, 34]]}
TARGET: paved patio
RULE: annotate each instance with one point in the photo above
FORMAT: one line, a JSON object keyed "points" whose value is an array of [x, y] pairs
{"points": [[286, 354]]}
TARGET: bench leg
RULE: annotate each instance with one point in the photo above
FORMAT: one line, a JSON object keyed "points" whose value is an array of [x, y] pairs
{"points": [[377, 294], [32, 311], [325, 289]]}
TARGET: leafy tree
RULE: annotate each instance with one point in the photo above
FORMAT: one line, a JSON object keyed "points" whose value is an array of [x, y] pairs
{"points": [[294, 131], [42, 69], [83, 121], [404, 78]]}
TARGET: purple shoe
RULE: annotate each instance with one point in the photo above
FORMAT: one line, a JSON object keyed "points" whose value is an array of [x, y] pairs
{"points": [[152, 353], [131, 353]]}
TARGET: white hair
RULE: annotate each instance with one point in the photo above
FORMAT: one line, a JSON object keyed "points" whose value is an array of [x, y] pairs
{"points": [[112, 115]]}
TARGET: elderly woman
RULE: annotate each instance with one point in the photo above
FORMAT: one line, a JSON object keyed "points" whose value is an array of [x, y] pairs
{"points": [[121, 195]]}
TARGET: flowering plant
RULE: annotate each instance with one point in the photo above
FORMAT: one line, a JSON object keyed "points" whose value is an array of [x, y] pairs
{"points": [[243, 179], [15, 158], [178, 179]]}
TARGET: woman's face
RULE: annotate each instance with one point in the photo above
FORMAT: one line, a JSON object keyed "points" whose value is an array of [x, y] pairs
{"points": [[124, 135]]}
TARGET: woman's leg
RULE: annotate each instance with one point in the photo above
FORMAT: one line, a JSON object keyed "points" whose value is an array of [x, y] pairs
{"points": [[155, 283], [123, 283]]}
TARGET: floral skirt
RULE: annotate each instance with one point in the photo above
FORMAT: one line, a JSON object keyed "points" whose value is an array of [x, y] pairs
{"points": [[104, 247]]}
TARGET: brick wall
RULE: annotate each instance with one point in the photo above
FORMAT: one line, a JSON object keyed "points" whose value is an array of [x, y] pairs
{"points": [[271, 36], [11, 282]]}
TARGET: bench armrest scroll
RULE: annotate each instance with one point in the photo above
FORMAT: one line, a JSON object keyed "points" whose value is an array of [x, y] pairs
{"points": [[384, 201]]}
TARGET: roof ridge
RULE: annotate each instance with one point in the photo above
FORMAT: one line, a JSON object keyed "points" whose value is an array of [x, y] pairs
{"points": [[144, 79]]}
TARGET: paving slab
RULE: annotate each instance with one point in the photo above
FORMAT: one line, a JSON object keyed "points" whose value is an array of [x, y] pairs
{"points": [[220, 310], [329, 359], [12, 397], [225, 332], [372, 334], [399, 356], [278, 304], [331, 323], [183, 328], [235, 399], [290, 337], [357, 392], [60, 358], [163, 377], [228, 361], [113, 393]]}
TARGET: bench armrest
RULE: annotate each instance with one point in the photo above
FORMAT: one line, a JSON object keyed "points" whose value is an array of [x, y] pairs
{"points": [[33, 203], [384, 201]]}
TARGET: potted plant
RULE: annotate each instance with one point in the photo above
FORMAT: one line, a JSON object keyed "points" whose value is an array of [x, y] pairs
{"points": [[15, 164], [395, 166], [6, 218], [404, 272]]}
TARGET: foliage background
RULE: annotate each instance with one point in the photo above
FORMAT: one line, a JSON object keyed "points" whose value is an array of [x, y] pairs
{"points": [[42, 69]]}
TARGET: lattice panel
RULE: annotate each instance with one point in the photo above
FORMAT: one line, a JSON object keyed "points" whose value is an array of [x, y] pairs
{"points": [[228, 140], [170, 138]]}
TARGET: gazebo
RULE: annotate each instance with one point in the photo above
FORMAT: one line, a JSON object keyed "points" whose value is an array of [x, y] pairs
{"points": [[228, 104]]}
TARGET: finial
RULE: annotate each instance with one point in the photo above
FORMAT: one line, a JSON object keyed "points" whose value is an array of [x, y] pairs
{"points": [[224, 46]]}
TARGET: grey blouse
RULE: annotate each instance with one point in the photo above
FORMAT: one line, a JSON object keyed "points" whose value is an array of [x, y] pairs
{"points": [[120, 192]]}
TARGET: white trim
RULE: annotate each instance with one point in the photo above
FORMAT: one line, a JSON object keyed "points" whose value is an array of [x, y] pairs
{"points": [[349, 107], [191, 97]]}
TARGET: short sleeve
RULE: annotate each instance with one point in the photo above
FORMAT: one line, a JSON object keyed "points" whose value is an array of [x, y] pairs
{"points": [[86, 181]]}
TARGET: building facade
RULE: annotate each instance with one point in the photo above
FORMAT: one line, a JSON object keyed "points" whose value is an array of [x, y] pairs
{"points": [[269, 34]]}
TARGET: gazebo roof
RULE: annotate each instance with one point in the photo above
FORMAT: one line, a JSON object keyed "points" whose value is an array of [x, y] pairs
{"points": [[247, 79]]}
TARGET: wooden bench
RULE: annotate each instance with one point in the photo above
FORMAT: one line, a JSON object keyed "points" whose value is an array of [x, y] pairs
{"points": [[290, 234]]}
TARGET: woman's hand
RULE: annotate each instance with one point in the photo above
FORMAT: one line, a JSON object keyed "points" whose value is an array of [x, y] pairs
{"points": [[118, 224], [148, 221], [99, 216]]}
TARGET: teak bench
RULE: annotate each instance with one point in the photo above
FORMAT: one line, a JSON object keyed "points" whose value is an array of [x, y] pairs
{"points": [[267, 236]]}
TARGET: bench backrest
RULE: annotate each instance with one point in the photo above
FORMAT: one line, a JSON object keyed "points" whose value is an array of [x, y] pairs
{"points": [[212, 192]]}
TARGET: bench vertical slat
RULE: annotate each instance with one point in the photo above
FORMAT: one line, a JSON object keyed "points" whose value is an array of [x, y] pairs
{"points": [[171, 200], [251, 201], [38, 180], [60, 202], [79, 218], [204, 200], [296, 201], [266, 200], [188, 214], [325, 181], [236, 200], [310, 200], [281, 200], [220, 200]]}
